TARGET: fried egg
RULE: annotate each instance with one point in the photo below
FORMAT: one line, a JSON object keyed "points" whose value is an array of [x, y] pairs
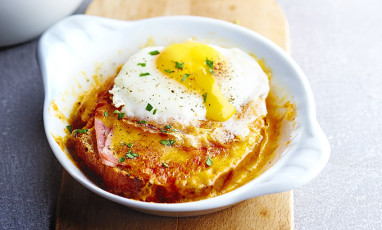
{"points": [[189, 82]]}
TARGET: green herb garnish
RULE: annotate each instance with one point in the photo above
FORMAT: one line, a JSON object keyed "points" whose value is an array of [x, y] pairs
{"points": [[80, 131], [124, 143], [205, 97], [155, 111], [130, 145], [120, 115], [210, 64], [131, 155], [167, 142], [179, 65], [121, 159], [155, 52], [141, 122], [209, 161], [165, 164], [70, 128], [144, 74], [142, 64], [149, 107], [105, 114], [168, 71], [185, 76], [166, 129]]}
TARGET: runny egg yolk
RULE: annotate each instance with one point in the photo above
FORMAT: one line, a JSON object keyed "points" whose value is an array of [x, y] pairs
{"points": [[192, 64]]}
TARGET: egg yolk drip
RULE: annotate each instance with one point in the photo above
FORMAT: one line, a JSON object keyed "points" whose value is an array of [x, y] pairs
{"points": [[192, 64]]}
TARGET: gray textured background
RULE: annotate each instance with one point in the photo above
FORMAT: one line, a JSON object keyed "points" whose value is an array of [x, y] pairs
{"points": [[337, 43]]}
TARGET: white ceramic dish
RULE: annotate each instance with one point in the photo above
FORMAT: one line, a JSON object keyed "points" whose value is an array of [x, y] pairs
{"points": [[69, 51]]}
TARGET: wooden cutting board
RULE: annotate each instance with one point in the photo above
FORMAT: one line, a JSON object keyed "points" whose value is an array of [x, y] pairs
{"points": [[79, 208]]}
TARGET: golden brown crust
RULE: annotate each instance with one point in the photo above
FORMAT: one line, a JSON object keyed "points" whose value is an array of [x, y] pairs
{"points": [[115, 179]]}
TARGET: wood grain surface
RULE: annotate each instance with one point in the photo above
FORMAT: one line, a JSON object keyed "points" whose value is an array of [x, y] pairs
{"points": [[262, 16], [79, 208]]}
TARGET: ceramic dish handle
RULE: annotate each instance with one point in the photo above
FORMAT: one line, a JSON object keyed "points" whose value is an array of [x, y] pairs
{"points": [[86, 33], [297, 167]]}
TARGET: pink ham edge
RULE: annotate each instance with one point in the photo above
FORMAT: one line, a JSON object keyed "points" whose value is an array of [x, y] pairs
{"points": [[104, 136]]}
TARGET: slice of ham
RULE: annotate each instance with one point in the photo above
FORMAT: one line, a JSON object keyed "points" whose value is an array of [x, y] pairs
{"points": [[104, 135]]}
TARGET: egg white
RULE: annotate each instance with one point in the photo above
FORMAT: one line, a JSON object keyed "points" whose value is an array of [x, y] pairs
{"points": [[244, 82]]}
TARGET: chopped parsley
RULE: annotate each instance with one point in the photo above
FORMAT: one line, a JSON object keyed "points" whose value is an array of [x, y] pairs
{"points": [[149, 107], [155, 111], [130, 145], [179, 65], [168, 71], [155, 52], [121, 159], [124, 143], [142, 64], [205, 97], [167, 142], [105, 114], [210, 64], [144, 74], [80, 131], [166, 129], [209, 161], [141, 122], [185, 76], [165, 164], [70, 128], [131, 155], [120, 115]]}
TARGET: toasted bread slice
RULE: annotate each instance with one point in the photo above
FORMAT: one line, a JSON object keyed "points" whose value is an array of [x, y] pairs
{"points": [[117, 180], [146, 177], [168, 165]]}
